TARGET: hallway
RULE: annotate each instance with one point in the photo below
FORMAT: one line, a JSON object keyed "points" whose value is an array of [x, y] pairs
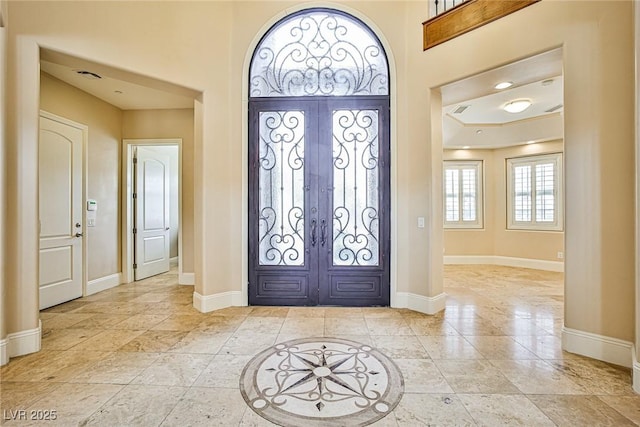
{"points": [[140, 354]]}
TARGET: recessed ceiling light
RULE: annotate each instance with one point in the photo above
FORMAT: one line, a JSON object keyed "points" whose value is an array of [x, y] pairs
{"points": [[466, 147], [531, 142], [547, 82], [503, 85], [517, 106]]}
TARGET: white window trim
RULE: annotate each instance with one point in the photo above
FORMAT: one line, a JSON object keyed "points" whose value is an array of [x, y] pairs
{"points": [[558, 224], [465, 164]]}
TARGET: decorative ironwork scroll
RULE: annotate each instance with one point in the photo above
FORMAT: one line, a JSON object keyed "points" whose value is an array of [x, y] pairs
{"points": [[281, 178], [356, 188], [319, 53]]}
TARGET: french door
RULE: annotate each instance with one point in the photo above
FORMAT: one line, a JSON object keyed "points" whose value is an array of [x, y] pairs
{"points": [[319, 229]]}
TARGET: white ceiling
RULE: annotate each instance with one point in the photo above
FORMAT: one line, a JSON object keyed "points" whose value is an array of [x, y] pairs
{"points": [[485, 125], [123, 89]]}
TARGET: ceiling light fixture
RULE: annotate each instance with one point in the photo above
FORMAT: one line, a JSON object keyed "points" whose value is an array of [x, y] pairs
{"points": [[531, 142], [503, 85], [466, 147], [479, 131], [517, 106]]}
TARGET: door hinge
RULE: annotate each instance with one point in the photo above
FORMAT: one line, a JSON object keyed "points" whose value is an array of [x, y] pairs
{"points": [[135, 230], [135, 195], [135, 265], [135, 160]]}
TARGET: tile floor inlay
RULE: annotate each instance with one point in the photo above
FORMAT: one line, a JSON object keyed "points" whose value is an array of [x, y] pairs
{"points": [[328, 381]]}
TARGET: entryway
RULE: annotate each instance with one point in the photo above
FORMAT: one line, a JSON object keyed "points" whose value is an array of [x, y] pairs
{"points": [[319, 170], [152, 208]]}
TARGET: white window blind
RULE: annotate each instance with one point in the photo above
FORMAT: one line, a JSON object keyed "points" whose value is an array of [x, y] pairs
{"points": [[463, 194], [535, 192]]}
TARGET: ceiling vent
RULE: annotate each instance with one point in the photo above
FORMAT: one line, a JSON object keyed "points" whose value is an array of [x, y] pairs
{"points": [[88, 74], [552, 109], [460, 109]]}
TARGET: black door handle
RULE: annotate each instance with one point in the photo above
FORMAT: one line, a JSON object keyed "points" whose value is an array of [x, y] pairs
{"points": [[313, 232], [323, 232]]}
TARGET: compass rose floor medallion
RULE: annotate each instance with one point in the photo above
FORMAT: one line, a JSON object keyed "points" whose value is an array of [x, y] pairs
{"points": [[321, 381]]}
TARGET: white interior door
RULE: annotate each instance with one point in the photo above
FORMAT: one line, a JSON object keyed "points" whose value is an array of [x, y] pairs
{"points": [[151, 213], [60, 198]]}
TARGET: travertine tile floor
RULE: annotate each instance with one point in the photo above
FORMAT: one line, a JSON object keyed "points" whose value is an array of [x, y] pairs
{"points": [[140, 354]]}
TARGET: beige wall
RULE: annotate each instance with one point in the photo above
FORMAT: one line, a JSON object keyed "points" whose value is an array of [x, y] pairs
{"points": [[636, 373], [3, 54], [206, 50], [3, 13], [495, 239], [158, 124], [103, 168]]}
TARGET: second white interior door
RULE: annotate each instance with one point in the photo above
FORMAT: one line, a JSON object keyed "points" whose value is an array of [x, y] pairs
{"points": [[151, 213]]}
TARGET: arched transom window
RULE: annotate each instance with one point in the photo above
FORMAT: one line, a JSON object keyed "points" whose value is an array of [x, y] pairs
{"points": [[319, 52]]}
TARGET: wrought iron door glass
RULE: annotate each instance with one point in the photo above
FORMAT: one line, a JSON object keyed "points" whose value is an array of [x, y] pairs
{"points": [[281, 178], [318, 53], [355, 187]]}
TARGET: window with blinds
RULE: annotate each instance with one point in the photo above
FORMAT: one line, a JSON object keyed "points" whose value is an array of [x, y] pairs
{"points": [[463, 194], [534, 192]]}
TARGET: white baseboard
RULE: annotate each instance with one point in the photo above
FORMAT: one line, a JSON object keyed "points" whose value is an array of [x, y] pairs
{"points": [[20, 343], [103, 283], [207, 303], [607, 349], [186, 278], [507, 261], [635, 375], [4, 354], [427, 305]]}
